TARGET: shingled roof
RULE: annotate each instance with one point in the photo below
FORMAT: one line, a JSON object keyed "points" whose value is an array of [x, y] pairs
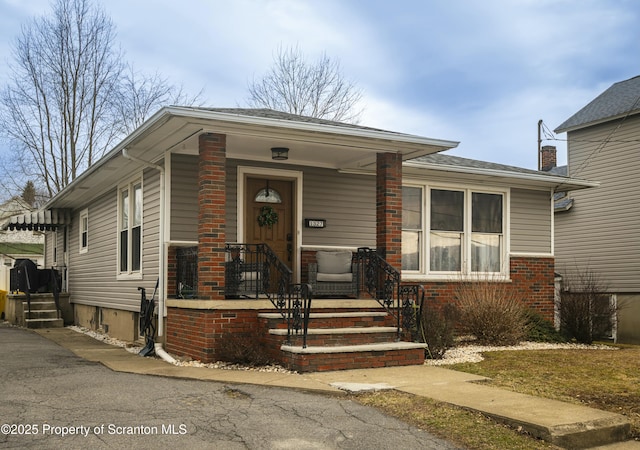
{"points": [[619, 100], [281, 115], [457, 161]]}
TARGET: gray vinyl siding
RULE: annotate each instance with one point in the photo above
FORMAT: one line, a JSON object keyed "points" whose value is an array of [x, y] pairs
{"points": [[93, 275], [346, 201], [601, 231], [531, 221], [184, 198]]}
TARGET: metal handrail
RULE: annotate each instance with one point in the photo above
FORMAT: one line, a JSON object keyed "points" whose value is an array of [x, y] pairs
{"points": [[382, 282], [298, 311], [254, 270]]}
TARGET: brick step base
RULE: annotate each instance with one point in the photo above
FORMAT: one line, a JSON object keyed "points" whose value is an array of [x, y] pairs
{"points": [[334, 319], [332, 337], [322, 359]]}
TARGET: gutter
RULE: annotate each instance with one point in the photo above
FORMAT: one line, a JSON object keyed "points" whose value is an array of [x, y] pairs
{"points": [[161, 254], [370, 133], [559, 181]]}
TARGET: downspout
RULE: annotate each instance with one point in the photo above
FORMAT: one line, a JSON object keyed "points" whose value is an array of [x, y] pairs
{"points": [[161, 263]]}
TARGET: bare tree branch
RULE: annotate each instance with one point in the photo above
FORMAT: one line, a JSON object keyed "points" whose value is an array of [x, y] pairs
{"points": [[315, 90], [70, 96]]}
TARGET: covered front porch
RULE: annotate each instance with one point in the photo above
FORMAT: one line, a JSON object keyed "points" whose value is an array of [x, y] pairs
{"points": [[250, 265]]}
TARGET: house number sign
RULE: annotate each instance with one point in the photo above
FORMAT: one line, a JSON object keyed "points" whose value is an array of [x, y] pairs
{"points": [[315, 223]]}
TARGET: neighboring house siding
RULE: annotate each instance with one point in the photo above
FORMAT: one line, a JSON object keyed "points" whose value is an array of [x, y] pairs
{"points": [[92, 275], [530, 222], [601, 231]]}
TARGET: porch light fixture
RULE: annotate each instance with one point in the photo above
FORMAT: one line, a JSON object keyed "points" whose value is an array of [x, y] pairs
{"points": [[279, 153]]}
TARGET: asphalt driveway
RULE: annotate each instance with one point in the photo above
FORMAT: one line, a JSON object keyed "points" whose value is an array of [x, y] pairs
{"points": [[50, 398]]}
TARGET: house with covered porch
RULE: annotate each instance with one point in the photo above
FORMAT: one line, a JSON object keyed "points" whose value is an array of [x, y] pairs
{"points": [[234, 213]]}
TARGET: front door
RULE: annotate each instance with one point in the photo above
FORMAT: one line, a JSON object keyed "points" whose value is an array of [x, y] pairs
{"points": [[269, 216]]}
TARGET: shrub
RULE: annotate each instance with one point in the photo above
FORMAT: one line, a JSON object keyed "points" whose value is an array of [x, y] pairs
{"points": [[243, 348], [437, 329], [541, 330], [586, 312], [490, 310]]}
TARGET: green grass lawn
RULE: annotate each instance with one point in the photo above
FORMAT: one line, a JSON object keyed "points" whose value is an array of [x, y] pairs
{"points": [[602, 379]]}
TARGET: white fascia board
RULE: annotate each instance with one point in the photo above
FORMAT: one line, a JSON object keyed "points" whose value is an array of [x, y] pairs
{"points": [[311, 127], [551, 180], [156, 120]]}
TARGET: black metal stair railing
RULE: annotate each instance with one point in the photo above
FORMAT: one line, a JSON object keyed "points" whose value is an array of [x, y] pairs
{"points": [[254, 271], [382, 282], [298, 311]]}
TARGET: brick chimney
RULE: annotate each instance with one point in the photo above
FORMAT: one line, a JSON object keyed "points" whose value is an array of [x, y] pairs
{"points": [[548, 156]]}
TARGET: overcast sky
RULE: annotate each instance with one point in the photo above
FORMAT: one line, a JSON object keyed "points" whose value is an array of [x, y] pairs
{"points": [[479, 72]]}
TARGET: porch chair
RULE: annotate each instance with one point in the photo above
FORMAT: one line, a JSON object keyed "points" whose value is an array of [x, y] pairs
{"points": [[244, 279], [333, 274]]}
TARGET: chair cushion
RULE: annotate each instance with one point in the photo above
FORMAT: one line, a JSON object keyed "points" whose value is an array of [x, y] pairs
{"points": [[335, 277], [333, 262]]}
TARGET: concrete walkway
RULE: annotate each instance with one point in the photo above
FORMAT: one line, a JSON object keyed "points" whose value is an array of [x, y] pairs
{"points": [[563, 424]]}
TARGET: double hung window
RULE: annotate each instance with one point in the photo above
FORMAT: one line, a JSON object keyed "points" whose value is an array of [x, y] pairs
{"points": [[83, 238], [452, 231], [130, 228]]}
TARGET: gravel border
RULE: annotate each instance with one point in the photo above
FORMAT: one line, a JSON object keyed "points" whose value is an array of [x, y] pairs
{"points": [[473, 353], [456, 355]]}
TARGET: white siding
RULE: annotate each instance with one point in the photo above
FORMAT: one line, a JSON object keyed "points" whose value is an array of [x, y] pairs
{"points": [[530, 221], [602, 230]]}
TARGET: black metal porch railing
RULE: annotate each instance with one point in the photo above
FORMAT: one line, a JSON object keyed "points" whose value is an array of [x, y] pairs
{"points": [[382, 282], [254, 271]]}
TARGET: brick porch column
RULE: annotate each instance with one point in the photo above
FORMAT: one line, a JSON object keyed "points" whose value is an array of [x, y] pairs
{"points": [[211, 215], [389, 207]]}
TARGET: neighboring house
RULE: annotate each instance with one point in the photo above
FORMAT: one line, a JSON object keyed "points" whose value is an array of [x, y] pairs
{"points": [[600, 230], [25, 244], [207, 178]]}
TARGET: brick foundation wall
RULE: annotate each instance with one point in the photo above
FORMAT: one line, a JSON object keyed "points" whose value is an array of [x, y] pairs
{"points": [[531, 278], [197, 333]]}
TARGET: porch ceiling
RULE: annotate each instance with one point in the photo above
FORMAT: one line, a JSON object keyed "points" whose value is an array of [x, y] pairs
{"points": [[309, 145], [176, 130]]}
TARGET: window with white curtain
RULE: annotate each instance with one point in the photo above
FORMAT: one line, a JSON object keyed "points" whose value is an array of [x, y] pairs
{"points": [[448, 231]]}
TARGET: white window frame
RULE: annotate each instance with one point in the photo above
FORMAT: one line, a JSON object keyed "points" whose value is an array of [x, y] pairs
{"points": [[129, 188], [424, 272], [83, 244]]}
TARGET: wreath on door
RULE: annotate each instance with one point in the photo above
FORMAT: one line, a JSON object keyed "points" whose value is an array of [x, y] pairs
{"points": [[268, 216]]}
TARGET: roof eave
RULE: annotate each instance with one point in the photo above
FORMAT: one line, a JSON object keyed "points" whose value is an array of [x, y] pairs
{"points": [[311, 127], [580, 126], [559, 183]]}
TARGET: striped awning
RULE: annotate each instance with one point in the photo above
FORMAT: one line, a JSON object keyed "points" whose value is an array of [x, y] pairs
{"points": [[42, 220]]}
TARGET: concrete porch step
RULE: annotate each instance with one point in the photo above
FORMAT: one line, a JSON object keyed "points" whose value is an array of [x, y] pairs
{"points": [[333, 319], [42, 314], [44, 323], [329, 358], [332, 337], [39, 305]]}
